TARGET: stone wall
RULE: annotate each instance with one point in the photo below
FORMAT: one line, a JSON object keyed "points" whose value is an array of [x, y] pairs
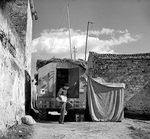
{"points": [[14, 59], [133, 70]]}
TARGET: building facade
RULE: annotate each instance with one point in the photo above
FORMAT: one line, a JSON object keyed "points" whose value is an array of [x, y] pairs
{"points": [[131, 69], [15, 59]]}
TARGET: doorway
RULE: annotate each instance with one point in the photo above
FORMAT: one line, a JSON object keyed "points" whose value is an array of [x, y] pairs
{"points": [[69, 76], [62, 77]]}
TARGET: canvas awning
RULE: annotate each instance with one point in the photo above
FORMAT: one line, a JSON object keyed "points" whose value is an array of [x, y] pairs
{"points": [[105, 100]]}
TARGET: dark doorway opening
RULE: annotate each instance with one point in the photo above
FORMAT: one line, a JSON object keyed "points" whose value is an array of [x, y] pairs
{"points": [[62, 77], [69, 76], [73, 78], [27, 93]]}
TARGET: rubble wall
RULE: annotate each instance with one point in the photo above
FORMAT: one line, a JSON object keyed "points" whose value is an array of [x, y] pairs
{"points": [[13, 60], [133, 70]]}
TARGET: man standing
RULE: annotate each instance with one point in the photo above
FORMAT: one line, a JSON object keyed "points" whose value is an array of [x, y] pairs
{"points": [[62, 94], [62, 97]]}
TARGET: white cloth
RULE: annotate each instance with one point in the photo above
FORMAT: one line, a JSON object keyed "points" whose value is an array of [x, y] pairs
{"points": [[61, 98]]}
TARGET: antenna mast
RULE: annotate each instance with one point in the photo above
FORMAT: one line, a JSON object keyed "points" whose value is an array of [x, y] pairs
{"points": [[87, 38], [69, 30]]}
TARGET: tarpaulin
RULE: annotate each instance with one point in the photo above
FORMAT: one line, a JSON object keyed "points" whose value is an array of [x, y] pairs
{"points": [[105, 100]]}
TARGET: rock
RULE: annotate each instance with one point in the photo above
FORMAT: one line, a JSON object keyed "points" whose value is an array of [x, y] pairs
{"points": [[28, 120]]}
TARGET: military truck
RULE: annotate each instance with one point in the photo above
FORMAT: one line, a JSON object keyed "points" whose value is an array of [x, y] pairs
{"points": [[52, 75]]}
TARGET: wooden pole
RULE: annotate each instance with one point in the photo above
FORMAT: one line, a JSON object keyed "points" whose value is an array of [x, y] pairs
{"points": [[75, 51]]}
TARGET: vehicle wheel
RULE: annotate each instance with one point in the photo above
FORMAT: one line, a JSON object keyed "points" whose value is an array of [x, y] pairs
{"points": [[42, 114]]}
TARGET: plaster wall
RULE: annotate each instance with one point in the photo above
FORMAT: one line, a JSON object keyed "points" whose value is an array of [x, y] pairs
{"points": [[15, 57]]}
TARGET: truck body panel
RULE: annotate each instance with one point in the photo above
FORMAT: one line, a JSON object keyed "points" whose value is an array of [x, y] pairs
{"points": [[52, 77]]}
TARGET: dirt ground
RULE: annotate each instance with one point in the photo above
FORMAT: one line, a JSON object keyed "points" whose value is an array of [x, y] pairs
{"points": [[22, 131], [127, 129]]}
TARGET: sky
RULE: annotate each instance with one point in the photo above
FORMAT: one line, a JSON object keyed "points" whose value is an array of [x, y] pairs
{"points": [[119, 26]]}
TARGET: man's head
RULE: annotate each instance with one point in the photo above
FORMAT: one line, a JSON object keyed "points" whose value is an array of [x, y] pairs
{"points": [[66, 86]]}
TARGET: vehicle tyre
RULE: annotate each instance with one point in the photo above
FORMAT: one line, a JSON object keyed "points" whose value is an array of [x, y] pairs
{"points": [[42, 114]]}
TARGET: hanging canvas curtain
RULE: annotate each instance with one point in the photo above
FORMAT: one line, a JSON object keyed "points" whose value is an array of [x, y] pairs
{"points": [[105, 100]]}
